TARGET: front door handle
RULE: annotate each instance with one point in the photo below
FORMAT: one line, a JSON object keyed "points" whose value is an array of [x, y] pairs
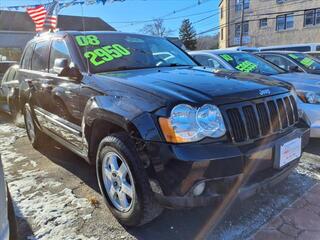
{"points": [[47, 87], [29, 81]]}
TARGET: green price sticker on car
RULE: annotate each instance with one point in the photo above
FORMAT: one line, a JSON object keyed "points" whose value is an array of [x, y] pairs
{"points": [[293, 56], [87, 40], [246, 66], [106, 54], [307, 62], [227, 57], [101, 55]]}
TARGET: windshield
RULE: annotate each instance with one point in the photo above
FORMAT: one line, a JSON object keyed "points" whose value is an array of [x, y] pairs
{"points": [[305, 60], [246, 62], [112, 52]]}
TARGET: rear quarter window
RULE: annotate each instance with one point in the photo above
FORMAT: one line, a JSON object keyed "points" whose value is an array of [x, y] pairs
{"points": [[26, 61], [12, 74]]}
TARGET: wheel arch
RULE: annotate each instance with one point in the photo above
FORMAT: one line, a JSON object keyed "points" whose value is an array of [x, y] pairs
{"points": [[99, 122]]}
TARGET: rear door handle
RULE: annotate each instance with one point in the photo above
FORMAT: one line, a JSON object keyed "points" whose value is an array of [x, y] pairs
{"points": [[29, 81], [47, 87]]}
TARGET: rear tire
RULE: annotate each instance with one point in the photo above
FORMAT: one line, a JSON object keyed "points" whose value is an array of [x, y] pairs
{"points": [[35, 135], [142, 206], [13, 109]]}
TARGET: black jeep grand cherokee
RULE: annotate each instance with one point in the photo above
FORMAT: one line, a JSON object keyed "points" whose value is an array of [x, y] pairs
{"points": [[161, 130]]}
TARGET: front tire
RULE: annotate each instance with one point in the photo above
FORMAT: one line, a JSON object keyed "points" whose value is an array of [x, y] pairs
{"points": [[123, 182]]}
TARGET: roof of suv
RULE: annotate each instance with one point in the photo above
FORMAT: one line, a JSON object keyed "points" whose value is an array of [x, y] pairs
{"points": [[73, 33], [278, 52], [219, 51]]}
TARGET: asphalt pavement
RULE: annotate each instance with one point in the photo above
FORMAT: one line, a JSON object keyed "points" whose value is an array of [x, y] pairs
{"points": [[56, 196]]}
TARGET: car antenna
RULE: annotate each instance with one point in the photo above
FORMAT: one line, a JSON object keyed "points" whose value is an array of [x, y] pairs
{"points": [[84, 30]]}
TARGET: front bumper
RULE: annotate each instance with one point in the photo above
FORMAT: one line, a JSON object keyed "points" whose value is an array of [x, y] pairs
{"points": [[176, 169], [311, 114]]}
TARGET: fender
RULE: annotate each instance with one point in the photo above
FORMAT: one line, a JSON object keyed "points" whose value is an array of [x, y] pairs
{"points": [[117, 112]]}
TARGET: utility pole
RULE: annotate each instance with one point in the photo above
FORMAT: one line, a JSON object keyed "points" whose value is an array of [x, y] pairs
{"points": [[242, 20]]}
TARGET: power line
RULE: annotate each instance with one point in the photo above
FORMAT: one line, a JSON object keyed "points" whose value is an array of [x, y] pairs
{"points": [[234, 23], [200, 20], [186, 8], [137, 22], [167, 19]]}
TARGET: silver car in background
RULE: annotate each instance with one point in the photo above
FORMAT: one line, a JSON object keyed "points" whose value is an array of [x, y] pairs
{"points": [[306, 85], [7, 217]]}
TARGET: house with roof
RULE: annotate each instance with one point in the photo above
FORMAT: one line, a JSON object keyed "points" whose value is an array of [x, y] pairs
{"points": [[17, 28]]}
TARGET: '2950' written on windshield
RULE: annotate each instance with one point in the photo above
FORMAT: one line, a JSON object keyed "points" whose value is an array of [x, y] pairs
{"points": [[100, 55]]}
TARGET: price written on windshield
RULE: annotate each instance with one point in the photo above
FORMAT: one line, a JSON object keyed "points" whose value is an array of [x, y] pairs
{"points": [[101, 55], [246, 66]]}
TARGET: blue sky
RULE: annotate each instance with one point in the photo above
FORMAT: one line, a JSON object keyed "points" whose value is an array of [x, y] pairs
{"points": [[140, 10]]}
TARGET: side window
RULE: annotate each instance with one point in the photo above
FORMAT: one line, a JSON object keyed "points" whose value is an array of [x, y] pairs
{"points": [[203, 60], [59, 49], [208, 61], [40, 57], [5, 76], [11, 75], [279, 61], [26, 61]]}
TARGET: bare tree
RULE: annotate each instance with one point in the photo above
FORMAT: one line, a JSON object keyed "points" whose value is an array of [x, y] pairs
{"points": [[156, 28], [208, 42]]}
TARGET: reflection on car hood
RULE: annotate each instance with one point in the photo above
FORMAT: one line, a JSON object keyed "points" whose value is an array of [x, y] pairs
{"points": [[301, 81], [195, 84]]}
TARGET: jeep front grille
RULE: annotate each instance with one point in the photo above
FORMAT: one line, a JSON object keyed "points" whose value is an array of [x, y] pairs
{"points": [[262, 117]]}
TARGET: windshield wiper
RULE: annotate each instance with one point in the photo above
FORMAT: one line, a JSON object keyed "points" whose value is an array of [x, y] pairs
{"points": [[177, 65], [123, 68]]}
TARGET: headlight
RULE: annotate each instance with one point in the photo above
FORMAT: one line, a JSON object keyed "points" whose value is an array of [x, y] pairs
{"points": [[183, 121], [189, 124], [309, 97]]}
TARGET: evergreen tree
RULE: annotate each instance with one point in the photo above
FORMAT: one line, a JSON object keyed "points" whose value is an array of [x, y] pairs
{"points": [[188, 35]]}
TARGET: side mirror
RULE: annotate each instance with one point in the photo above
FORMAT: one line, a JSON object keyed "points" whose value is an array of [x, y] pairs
{"points": [[294, 69], [59, 65], [211, 63]]}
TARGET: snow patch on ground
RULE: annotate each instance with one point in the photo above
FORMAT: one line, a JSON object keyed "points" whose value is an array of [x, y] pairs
{"points": [[54, 213]]}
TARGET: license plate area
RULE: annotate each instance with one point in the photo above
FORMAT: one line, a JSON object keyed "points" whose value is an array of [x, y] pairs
{"points": [[288, 152]]}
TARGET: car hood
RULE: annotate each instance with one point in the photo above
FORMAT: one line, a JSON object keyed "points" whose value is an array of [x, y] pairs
{"points": [[301, 81], [195, 85]]}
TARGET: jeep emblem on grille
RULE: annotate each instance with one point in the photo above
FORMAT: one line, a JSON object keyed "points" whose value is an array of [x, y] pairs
{"points": [[265, 92]]}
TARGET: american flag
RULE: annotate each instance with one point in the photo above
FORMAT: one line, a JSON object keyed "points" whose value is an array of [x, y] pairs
{"points": [[45, 16]]}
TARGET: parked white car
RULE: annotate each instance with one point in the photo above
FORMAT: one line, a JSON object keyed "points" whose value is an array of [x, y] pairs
{"points": [[306, 85], [7, 217]]}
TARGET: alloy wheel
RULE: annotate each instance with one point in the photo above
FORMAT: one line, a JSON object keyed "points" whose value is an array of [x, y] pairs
{"points": [[118, 181]]}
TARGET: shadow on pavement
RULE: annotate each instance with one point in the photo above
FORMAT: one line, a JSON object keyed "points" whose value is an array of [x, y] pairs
{"points": [[71, 162], [313, 147], [24, 229]]}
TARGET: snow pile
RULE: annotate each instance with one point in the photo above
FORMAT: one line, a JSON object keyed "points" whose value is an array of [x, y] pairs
{"points": [[310, 166], [53, 211]]}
